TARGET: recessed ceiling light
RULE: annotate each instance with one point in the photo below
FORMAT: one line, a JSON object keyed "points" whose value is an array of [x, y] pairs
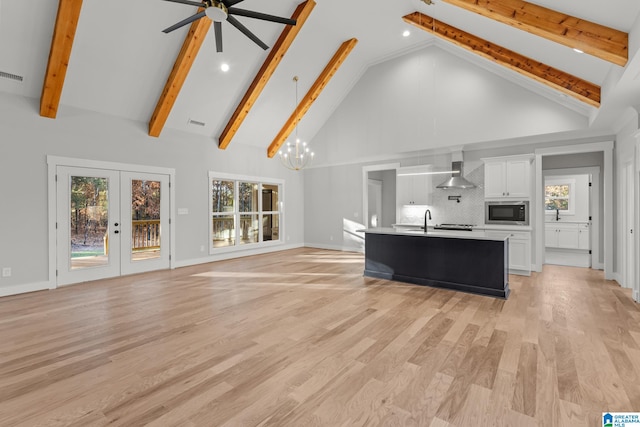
{"points": [[577, 50], [406, 33], [224, 67]]}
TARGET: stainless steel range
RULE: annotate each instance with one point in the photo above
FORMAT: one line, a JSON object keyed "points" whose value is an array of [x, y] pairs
{"points": [[462, 227]]}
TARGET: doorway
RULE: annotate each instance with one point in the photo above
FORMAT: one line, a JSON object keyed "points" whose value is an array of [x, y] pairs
{"points": [[572, 156], [109, 222], [571, 219], [375, 203], [379, 195]]}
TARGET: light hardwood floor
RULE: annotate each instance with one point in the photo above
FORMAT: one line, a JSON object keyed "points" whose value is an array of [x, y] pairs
{"points": [[300, 338]]}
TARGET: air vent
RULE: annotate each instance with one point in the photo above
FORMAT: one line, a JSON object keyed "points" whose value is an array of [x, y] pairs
{"points": [[11, 76], [196, 122]]}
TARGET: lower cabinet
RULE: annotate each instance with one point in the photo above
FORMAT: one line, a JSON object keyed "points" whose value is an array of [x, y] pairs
{"points": [[519, 250], [567, 235]]}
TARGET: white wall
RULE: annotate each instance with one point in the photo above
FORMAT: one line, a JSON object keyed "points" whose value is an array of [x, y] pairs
{"points": [[429, 99], [26, 139]]}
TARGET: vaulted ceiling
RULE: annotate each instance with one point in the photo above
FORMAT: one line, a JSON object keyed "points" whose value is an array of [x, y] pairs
{"points": [[117, 60]]}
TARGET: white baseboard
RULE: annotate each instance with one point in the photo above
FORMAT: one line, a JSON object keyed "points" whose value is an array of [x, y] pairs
{"points": [[334, 247], [236, 254], [617, 277], [568, 257], [597, 266], [23, 289]]}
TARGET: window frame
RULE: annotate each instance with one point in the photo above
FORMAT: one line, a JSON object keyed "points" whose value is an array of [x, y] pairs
{"points": [[571, 198], [237, 214]]}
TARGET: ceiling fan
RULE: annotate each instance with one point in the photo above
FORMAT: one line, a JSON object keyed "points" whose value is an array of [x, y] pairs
{"points": [[223, 10]]}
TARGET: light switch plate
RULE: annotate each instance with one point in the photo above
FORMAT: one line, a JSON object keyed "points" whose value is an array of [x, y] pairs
{"points": [[6, 272]]}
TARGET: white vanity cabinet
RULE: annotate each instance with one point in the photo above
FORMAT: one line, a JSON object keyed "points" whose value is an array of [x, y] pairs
{"points": [[567, 235], [507, 177], [413, 185]]}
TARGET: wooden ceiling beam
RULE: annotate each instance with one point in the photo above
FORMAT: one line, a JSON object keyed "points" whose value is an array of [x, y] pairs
{"points": [[182, 66], [595, 39], [64, 33], [269, 66], [318, 86], [571, 85]]}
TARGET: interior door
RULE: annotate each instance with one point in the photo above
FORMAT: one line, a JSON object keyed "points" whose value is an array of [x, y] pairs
{"points": [[629, 216], [145, 222], [88, 224]]}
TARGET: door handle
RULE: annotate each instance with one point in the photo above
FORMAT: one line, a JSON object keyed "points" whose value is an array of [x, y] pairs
{"points": [[116, 231], [116, 224]]}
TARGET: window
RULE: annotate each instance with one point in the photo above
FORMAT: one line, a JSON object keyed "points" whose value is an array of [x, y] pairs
{"points": [[559, 195], [244, 211]]}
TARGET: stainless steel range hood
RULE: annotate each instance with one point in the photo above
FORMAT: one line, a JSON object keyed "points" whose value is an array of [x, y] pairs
{"points": [[457, 179]]}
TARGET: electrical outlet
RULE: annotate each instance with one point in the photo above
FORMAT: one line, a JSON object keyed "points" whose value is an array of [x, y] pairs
{"points": [[6, 272]]}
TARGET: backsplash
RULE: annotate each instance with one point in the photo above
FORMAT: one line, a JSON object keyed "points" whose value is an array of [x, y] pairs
{"points": [[470, 210]]}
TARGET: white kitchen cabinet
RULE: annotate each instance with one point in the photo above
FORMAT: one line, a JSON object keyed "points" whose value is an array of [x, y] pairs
{"points": [[519, 250], [507, 177], [414, 186], [550, 236], [584, 236], [567, 235]]}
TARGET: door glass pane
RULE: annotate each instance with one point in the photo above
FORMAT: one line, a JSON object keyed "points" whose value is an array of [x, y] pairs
{"points": [[249, 230], [145, 219], [223, 231], [271, 227], [248, 197], [89, 220], [222, 196]]}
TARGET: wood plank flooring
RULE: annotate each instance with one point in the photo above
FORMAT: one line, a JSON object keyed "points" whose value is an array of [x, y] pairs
{"points": [[301, 338]]}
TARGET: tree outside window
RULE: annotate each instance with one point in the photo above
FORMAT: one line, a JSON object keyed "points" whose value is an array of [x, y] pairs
{"points": [[243, 212], [557, 197]]}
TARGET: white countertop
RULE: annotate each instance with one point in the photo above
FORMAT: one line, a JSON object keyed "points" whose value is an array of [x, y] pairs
{"points": [[451, 234], [503, 227], [566, 222], [481, 227]]}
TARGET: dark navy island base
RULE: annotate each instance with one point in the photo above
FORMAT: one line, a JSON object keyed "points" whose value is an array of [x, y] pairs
{"points": [[473, 265]]}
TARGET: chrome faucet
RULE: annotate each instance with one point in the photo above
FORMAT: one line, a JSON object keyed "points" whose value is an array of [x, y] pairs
{"points": [[427, 214]]}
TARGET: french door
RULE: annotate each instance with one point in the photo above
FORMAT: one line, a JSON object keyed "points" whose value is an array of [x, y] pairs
{"points": [[110, 223]]}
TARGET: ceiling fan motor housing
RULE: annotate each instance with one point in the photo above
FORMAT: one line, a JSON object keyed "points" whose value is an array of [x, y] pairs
{"points": [[216, 11]]}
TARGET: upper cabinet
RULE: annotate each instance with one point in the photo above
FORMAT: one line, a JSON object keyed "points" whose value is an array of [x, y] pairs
{"points": [[414, 186], [507, 177]]}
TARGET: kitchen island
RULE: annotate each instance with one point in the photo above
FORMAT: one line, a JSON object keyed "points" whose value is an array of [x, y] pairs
{"points": [[468, 261]]}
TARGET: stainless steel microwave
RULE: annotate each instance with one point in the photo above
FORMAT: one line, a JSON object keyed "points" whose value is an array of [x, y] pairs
{"points": [[506, 213]]}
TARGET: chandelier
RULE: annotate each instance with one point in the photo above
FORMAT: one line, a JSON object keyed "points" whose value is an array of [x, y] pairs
{"points": [[297, 154]]}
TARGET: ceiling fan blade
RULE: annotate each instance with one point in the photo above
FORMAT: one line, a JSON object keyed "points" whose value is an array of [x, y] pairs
{"points": [[184, 22], [263, 16], [233, 21], [230, 3], [190, 3], [217, 28]]}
